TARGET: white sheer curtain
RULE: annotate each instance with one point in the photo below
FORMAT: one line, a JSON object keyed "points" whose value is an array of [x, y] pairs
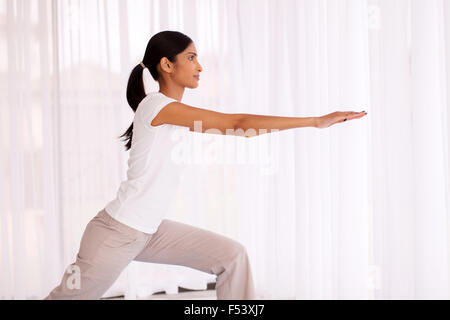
{"points": [[354, 211]]}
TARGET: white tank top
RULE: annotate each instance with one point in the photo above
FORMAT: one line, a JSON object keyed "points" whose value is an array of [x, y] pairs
{"points": [[153, 175]]}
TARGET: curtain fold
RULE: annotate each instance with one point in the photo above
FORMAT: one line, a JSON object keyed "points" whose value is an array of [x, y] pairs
{"points": [[355, 211]]}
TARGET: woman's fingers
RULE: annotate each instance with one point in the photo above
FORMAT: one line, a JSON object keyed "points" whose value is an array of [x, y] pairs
{"points": [[359, 115], [352, 115]]}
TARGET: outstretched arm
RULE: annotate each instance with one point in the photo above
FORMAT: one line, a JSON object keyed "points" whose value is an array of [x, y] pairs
{"points": [[242, 124]]}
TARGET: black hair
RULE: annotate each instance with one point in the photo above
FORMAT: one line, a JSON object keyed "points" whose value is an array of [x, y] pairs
{"points": [[163, 44]]}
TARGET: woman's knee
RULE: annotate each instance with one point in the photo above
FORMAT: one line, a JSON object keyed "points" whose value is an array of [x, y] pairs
{"points": [[237, 249]]}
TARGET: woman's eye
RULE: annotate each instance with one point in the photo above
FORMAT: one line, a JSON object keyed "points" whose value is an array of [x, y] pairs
{"points": [[191, 56]]}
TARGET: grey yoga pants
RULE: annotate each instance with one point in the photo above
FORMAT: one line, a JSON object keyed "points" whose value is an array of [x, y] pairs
{"points": [[108, 246]]}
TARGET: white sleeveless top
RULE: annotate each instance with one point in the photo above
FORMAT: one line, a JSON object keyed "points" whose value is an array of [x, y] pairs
{"points": [[152, 176]]}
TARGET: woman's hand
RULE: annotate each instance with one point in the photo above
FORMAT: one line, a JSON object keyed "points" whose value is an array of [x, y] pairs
{"points": [[337, 117]]}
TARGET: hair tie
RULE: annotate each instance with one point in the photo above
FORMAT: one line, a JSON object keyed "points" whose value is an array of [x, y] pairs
{"points": [[142, 64]]}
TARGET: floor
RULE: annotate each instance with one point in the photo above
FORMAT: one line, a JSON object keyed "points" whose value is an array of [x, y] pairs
{"points": [[186, 295]]}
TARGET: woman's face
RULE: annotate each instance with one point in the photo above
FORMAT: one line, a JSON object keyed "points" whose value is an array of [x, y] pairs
{"points": [[186, 70]]}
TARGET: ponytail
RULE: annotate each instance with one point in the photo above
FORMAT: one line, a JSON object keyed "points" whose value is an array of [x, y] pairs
{"points": [[135, 94]]}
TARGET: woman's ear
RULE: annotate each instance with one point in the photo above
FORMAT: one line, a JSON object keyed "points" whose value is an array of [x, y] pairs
{"points": [[166, 65]]}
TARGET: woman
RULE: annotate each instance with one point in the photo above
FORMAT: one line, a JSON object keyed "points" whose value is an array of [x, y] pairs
{"points": [[132, 226]]}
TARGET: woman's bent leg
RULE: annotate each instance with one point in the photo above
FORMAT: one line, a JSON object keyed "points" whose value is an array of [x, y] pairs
{"points": [[181, 244], [106, 248]]}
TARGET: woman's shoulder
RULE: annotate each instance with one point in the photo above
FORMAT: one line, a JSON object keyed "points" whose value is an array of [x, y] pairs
{"points": [[149, 99], [156, 97]]}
